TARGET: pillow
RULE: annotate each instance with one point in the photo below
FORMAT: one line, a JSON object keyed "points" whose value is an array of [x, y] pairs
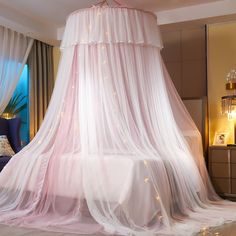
{"points": [[5, 147]]}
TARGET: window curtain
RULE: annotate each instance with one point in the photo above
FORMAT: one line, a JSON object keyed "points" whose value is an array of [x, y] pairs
{"points": [[14, 50], [41, 83]]}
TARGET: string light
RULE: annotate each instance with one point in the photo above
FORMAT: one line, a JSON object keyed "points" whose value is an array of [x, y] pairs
{"points": [[146, 180], [204, 230], [158, 198], [145, 162]]}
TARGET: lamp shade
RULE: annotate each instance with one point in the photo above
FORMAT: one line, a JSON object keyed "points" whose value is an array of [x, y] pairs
{"points": [[228, 104]]}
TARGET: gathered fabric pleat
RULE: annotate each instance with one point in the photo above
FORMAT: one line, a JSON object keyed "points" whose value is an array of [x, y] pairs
{"points": [[117, 152]]}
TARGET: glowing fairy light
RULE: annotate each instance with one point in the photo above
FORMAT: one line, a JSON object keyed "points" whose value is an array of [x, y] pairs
{"points": [[145, 162], [146, 180], [204, 230]]}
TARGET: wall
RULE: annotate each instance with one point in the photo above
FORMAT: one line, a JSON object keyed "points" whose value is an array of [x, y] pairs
{"points": [[221, 58], [184, 54]]}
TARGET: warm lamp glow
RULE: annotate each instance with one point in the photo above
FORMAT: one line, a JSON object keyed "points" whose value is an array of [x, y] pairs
{"points": [[228, 103], [231, 115]]}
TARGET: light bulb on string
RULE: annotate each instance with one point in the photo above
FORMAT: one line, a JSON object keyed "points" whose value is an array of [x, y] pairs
{"points": [[157, 198], [146, 180], [145, 163], [204, 230]]}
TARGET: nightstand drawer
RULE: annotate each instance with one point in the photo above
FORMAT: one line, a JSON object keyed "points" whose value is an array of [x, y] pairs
{"points": [[233, 183], [221, 170], [233, 156], [233, 170], [221, 185], [219, 155]]}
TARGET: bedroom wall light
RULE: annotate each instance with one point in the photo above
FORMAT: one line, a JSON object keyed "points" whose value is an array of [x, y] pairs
{"points": [[228, 103]]}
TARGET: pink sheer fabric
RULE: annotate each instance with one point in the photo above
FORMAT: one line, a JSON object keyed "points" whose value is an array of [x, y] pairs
{"points": [[117, 152]]}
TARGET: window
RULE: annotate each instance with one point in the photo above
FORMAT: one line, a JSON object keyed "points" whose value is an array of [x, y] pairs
{"points": [[23, 89]]}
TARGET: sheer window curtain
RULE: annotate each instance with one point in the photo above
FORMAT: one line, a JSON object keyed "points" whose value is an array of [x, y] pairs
{"points": [[41, 83], [14, 51]]}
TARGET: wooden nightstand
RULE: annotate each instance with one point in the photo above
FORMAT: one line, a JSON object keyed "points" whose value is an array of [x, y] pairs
{"points": [[222, 169]]}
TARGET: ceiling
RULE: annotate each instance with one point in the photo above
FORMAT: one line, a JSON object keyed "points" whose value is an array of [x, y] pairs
{"points": [[54, 12], [41, 19]]}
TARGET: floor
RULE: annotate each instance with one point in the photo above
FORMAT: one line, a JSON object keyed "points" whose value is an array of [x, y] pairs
{"points": [[226, 230]]}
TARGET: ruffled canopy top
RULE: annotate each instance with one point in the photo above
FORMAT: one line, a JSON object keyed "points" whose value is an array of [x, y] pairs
{"points": [[111, 25]]}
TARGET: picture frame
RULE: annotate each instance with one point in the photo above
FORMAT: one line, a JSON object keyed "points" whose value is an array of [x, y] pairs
{"points": [[220, 138]]}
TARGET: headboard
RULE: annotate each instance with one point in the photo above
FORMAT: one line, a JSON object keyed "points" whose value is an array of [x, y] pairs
{"points": [[197, 108]]}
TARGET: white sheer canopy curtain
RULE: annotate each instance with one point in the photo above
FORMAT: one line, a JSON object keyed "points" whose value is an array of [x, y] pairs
{"points": [[14, 50], [117, 152]]}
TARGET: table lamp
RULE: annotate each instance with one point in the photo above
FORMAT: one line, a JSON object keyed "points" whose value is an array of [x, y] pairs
{"points": [[228, 103]]}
